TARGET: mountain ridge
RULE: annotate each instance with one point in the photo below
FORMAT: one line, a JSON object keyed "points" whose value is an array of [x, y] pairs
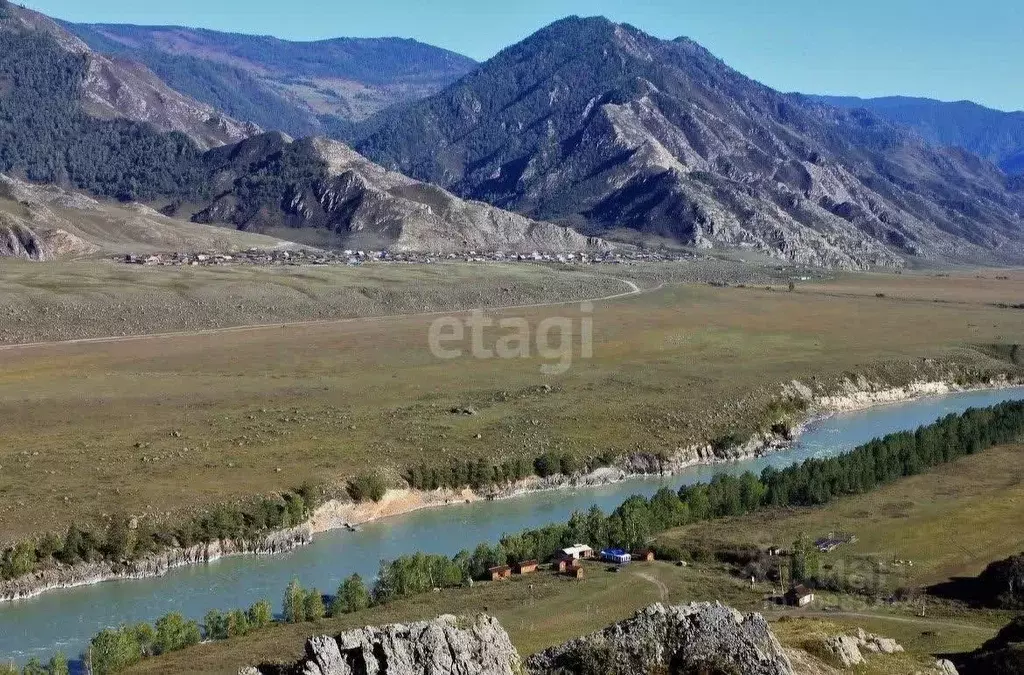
{"points": [[301, 88], [996, 135], [599, 125]]}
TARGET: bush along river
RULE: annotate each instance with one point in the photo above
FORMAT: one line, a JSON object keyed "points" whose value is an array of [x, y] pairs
{"points": [[67, 619]]}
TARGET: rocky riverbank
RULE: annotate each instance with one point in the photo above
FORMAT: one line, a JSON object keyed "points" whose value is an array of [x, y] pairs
{"points": [[85, 574], [848, 395]]}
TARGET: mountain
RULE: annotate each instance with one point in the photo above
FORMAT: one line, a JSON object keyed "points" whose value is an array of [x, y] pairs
{"points": [[44, 222], [993, 134], [270, 183], [301, 88], [73, 118], [602, 126], [108, 88]]}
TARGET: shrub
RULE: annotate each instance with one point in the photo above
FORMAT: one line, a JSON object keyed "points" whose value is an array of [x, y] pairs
{"points": [[367, 487], [113, 650], [313, 605], [173, 632], [294, 603], [260, 615], [352, 596]]}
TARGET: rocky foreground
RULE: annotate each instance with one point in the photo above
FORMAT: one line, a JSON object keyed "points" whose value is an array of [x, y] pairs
{"points": [[696, 638]]}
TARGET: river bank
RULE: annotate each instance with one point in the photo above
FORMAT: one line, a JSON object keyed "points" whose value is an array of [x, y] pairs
{"points": [[850, 394]]}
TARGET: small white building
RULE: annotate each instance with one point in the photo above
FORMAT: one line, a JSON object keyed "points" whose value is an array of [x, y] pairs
{"points": [[577, 552]]}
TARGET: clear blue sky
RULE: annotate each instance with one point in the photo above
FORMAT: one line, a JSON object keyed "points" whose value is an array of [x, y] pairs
{"points": [[945, 49]]}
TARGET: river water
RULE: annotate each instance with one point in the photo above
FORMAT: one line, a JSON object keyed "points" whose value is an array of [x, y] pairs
{"points": [[67, 619]]}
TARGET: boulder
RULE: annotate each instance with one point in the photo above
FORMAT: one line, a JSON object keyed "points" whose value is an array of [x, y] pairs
{"points": [[845, 650], [445, 646], [701, 637]]}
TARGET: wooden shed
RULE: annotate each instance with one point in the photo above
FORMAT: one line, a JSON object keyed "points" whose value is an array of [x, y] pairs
{"points": [[499, 573], [526, 567], [645, 555]]}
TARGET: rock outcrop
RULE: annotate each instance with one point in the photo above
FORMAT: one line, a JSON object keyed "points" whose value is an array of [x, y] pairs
{"points": [[447, 645], [702, 637], [1002, 655]]}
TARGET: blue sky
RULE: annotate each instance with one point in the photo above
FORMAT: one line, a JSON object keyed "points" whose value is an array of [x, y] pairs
{"points": [[945, 49]]}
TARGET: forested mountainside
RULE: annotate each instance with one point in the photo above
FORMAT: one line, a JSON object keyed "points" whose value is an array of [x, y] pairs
{"points": [[48, 135], [993, 134], [301, 88], [106, 88], [603, 126]]}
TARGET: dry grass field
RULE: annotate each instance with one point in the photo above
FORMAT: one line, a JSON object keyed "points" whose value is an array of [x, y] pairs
{"points": [[951, 521], [164, 425]]}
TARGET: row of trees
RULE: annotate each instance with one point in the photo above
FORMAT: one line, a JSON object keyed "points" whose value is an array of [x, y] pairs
{"points": [[115, 649], [58, 665], [124, 540], [483, 473]]}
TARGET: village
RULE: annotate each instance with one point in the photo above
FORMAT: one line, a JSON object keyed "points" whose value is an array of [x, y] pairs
{"points": [[310, 256], [574, 561]]}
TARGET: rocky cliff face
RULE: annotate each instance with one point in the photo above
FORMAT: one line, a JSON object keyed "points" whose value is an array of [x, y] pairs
{"points": [[331, 187], [119, 88], [697, 638], [445, 646], [589, 122]]}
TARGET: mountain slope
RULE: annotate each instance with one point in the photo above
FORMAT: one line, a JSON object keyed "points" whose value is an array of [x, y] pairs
{"points": [[45, 223], [301, 88], [118, 88], [993, 134], [600, 125], [269, 182]]}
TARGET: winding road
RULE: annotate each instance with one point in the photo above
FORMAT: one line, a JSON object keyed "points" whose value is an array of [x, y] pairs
{"points": [[633, 290]]}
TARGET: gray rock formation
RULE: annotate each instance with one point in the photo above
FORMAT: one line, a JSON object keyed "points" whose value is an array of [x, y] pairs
{"points": [[445, 646], [845, 650], [701, 637]]}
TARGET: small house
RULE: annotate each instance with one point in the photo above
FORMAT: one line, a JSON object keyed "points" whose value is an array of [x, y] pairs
{"points": [[566, 564], [577, 552], [799, 596], [646, 555], [500, 573], [615, 555], [575, 572], [526, 567]]}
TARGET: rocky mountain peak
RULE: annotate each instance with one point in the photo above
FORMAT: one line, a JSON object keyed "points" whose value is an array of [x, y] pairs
{"points": [[604, 127]]}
